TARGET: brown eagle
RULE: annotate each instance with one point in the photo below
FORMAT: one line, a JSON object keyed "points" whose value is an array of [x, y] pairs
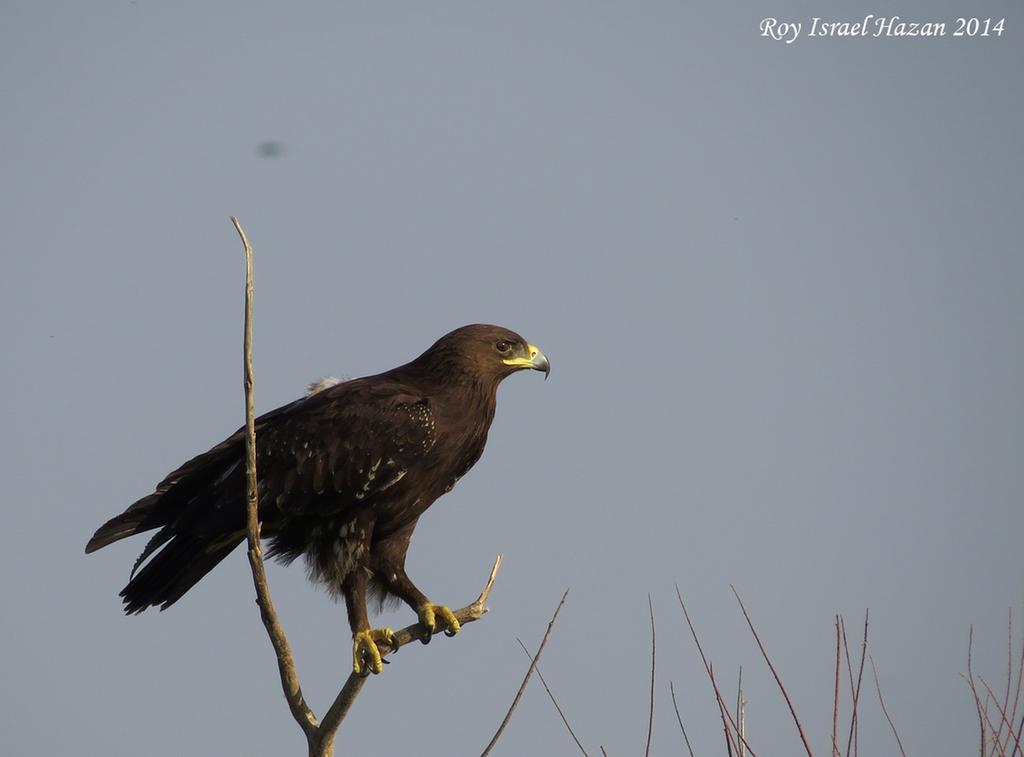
{"points": [[344, 475]]}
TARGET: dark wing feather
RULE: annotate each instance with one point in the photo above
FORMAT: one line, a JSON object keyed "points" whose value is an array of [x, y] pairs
{"points": [[181, 487], [342, 450], [316, 456]]}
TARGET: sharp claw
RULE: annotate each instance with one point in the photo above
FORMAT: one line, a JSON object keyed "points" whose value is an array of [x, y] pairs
{"points": [[427, 636], [449, 632], [366, 657]]}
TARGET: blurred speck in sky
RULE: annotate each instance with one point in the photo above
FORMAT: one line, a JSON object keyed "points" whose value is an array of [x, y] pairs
{"points": [[271, 148]]}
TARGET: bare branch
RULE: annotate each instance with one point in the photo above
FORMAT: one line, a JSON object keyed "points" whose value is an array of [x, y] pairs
{"points": [[741, 705], [1003, 720], [722, 709], [835, 704], [343, 702], [1009, 675], [285, 663], [771, 667], [526, 679], [1017, 699], [1016, 696], [650, 716], [996, 747], [682, 728], [554, 701], [974, 689], [852, 739], [885, 711], [846, 654]]}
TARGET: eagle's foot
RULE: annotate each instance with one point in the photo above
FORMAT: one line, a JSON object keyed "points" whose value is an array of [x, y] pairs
{"points": [[366, 657], [433, 616]]}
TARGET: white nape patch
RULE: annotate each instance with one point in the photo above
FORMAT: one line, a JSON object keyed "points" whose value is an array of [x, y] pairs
{"points": [[324, 382]]}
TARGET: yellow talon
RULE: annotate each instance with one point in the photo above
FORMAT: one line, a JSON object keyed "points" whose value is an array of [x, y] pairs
{"points": [[430, 615], [366, 657]]}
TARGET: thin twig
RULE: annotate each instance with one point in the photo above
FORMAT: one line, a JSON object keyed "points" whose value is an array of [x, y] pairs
{"points": [[722, 708], [974, 689], [885, 711], [526, 679], [1017, 699], [849, 671], [650, 715], [740, 713], [1009, 674], [679, 717], [835, 704], [851, 741], [1003, 721], [771, 667], [285, 663], [1016, 696], [846, 654], [723, 711], [554, 701], [604, 753], [995, 746]]}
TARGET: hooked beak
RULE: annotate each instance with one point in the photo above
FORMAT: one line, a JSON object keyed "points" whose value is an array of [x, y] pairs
{"points": [[536, 361]]}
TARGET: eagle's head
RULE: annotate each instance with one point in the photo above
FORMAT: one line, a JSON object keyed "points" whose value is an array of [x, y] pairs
{"points": [[487, 353]]}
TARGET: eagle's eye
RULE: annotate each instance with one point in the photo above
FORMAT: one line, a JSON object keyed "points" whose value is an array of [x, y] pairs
{"points": [[504, 347]]}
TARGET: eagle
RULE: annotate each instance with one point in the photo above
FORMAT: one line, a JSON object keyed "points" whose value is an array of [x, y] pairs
{"points": [[344, 475]]}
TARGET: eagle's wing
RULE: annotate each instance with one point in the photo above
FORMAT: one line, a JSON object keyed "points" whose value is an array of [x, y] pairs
{"points": [[342, 447]]}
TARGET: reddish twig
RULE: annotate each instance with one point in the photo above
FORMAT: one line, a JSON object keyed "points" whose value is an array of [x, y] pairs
{"points": [[771, 667], [1009, 674], [526, 679], [554, 701], [650, 716], [991, 727], [1003, 720], [723, 710], [740, 713], [1016, 696], [679, 717], [974, 690], [885, 711], [835, 701], [851, 741]]}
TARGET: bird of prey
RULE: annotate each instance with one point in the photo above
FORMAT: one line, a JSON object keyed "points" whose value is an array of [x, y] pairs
{"points": [[343, 476]]}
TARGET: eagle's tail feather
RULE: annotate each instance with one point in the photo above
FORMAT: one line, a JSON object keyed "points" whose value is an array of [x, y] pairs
{"points": [[183, 494], [134, 520], [175, 569]]}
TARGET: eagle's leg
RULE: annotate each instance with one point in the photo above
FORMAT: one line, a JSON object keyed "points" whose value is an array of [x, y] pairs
{"points": [[389, 569], [366, 656], [432, 617]]}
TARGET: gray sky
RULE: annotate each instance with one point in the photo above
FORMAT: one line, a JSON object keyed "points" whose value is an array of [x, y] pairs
{"points": [[780, 287]]}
